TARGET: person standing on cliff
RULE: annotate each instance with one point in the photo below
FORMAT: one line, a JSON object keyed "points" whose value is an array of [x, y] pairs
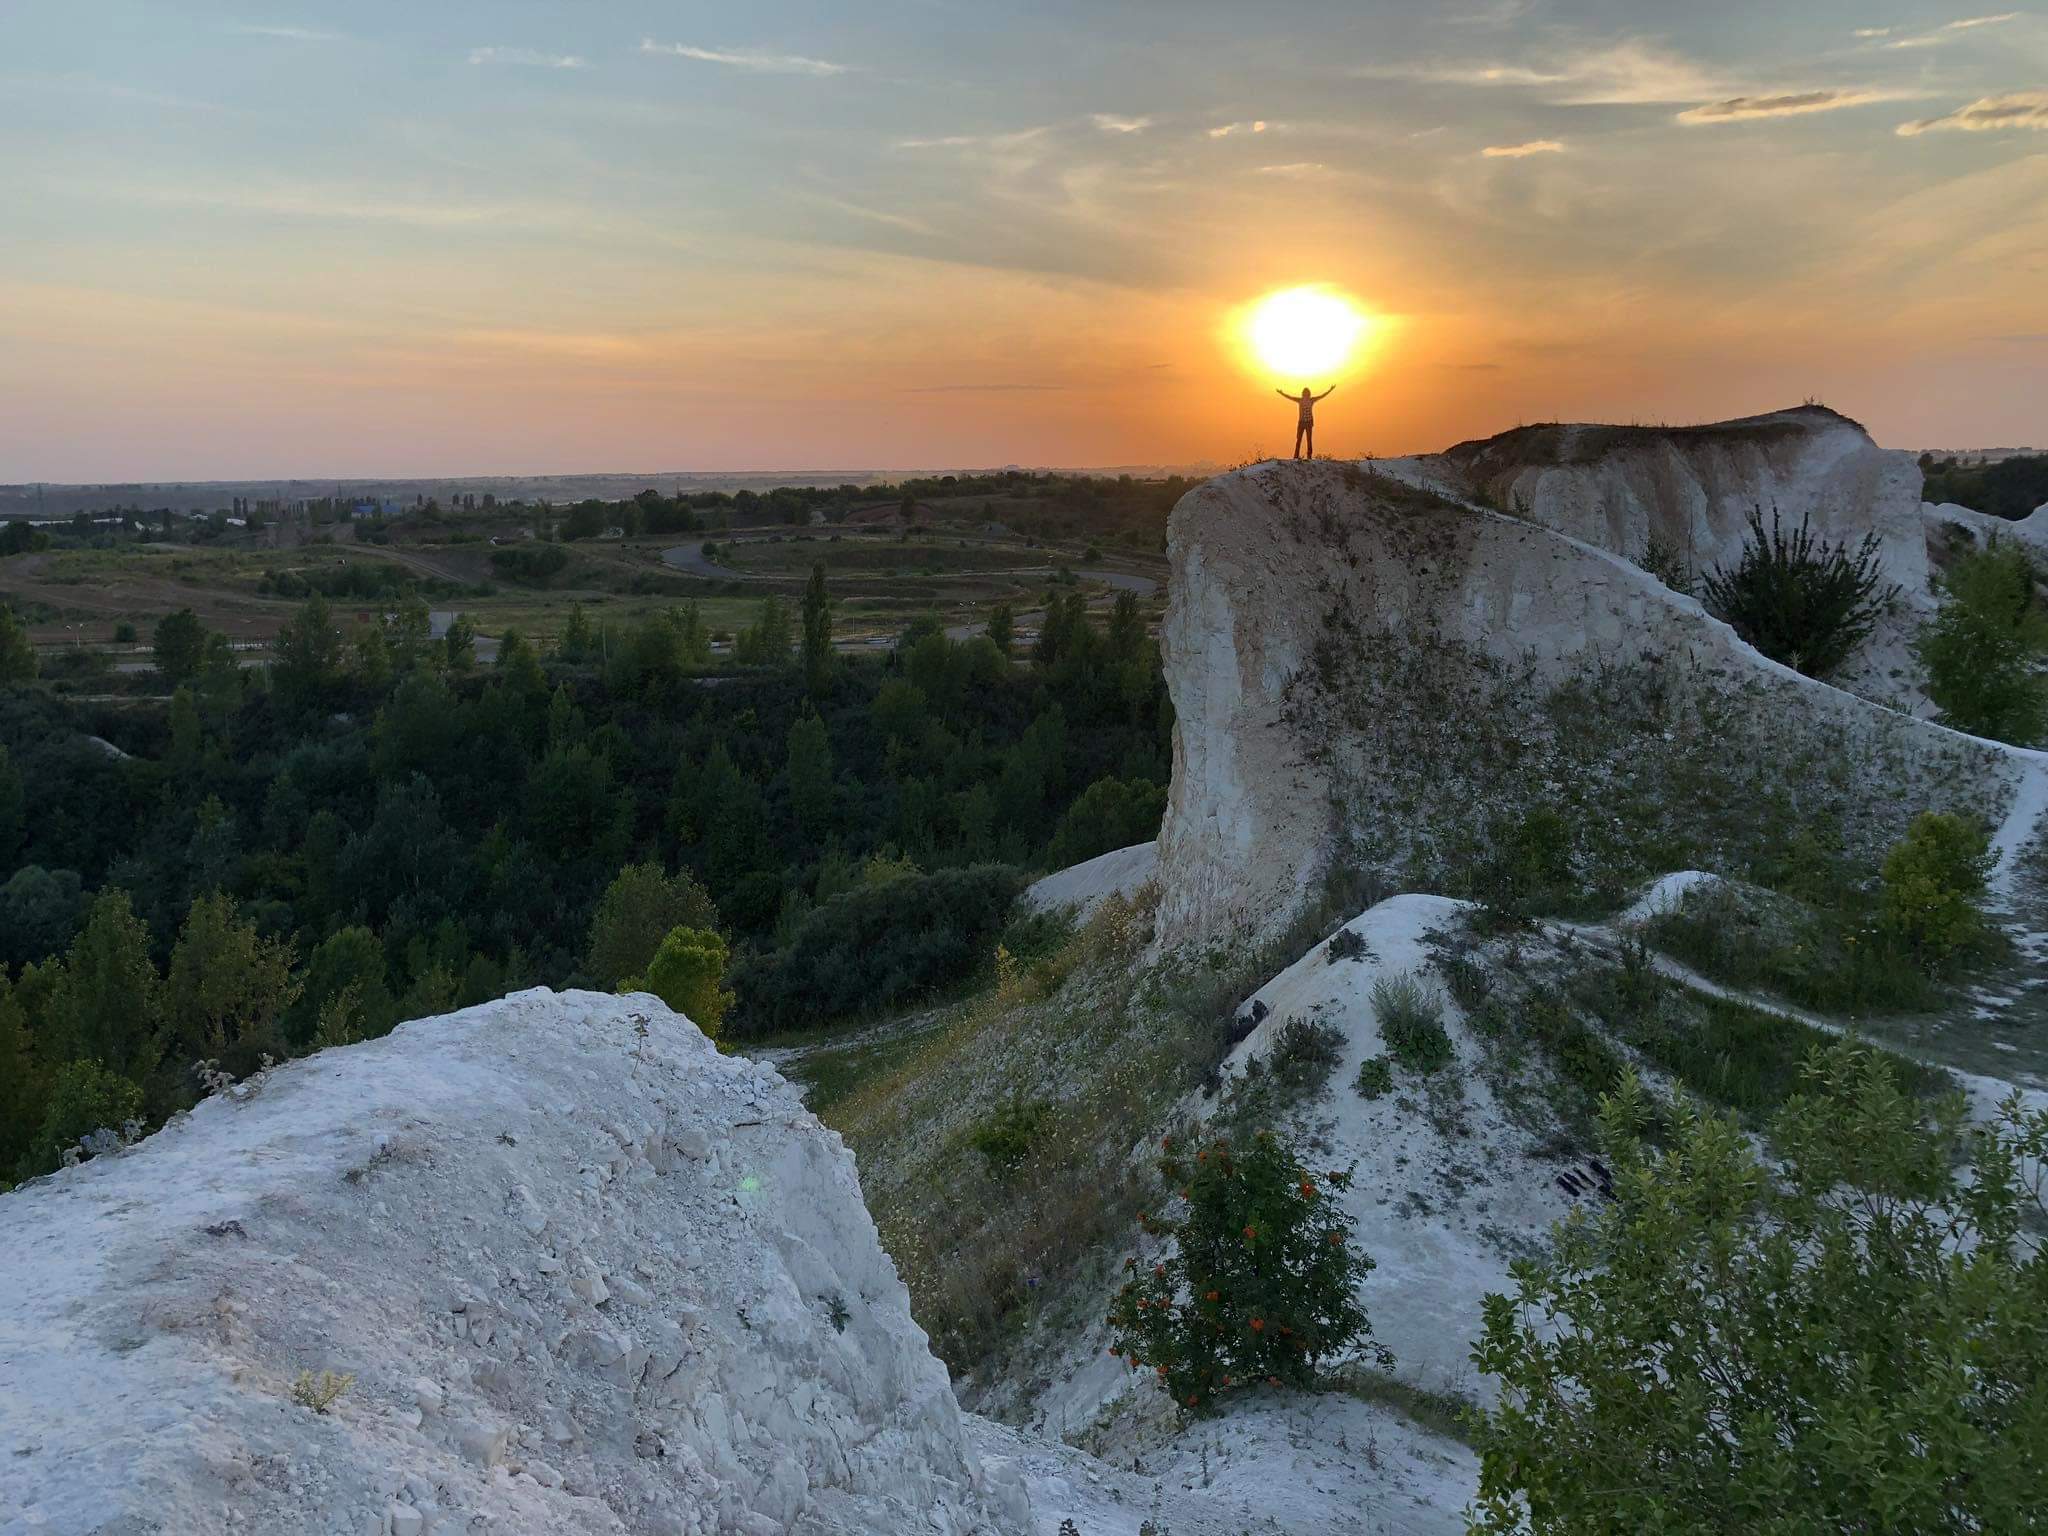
{"points": [[1305, 424]]}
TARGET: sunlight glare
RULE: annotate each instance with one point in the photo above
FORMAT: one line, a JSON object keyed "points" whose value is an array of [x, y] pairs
{"points": [[1303, 335]]}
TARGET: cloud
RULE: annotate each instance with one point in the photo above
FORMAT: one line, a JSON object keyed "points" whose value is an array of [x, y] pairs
{"points": [[975, 140], [1947, 33], [284, 34], [1258, 125], [1519, 151], [1295, 168], [983, 389], [2017, 109], [1110, 123], [1870, 32], [530, 57], [1628, 73], [749, 59], [1741, 109]]}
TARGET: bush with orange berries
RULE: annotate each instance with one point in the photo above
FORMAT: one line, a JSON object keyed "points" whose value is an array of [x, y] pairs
{"points": [[1261, 1281]]}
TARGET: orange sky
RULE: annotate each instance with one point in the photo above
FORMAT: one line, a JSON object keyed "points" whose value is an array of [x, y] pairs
{"points": [[506, 238]]}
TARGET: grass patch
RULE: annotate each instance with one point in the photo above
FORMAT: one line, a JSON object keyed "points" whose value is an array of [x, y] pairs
{"points": [[1838, 961], [1411, 1022], [1442, 1413]]}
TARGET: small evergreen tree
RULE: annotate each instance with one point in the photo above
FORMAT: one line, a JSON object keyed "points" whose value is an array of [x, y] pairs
{"points": [[1799, 599], [1934, 881], [227, 988], [637, 911], [1262, 1281], [817, 616], [1002, 627]]}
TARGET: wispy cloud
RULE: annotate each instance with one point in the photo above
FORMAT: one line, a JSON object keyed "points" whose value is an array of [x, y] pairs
{"points": [[1947, 33], [1296, 169], [1742, 109], [983, 389], [531, 58], [1628, 73], [283, 34], [901, 221], [1521, 151], [975, 140], [2017, 109], [1257, 125], [1867, 33], [1109, 122], [748, 59]]}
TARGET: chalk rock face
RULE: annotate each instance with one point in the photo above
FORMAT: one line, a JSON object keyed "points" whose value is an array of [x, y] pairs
{"points": [[1693, 488], [588, 1275], [1374, 680]]}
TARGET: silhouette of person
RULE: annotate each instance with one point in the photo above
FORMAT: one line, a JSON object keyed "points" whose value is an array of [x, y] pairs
{"points": [[1305, 424]]}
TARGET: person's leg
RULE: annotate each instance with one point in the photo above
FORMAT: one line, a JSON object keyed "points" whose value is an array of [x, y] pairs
{"points": [[1310, 430], [1298, 430]]}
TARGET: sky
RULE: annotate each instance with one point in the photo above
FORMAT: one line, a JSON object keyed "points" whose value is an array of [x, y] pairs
{"points": [[523, 237]]}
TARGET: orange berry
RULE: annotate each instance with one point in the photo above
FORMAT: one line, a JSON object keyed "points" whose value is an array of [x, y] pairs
{"points": [[1162, 1370], [1272, 1381], [1192, 1399], [1258, 1325], [1158, 1269], [1308, 1190], [1250, 1232], [1215, 1296], [1114, 1350]]}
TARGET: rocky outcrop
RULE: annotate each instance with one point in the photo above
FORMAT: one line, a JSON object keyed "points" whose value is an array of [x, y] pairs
{"points": [[1375, 679], [587, 1274]]}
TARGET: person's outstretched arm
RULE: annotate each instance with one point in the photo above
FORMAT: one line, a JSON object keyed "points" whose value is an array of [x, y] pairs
{"points": [[1327, 393], [1283, 394]]}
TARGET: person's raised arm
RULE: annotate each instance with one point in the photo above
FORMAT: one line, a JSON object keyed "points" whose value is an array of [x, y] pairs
{"points": [[1327, 393], [1282, 393]]}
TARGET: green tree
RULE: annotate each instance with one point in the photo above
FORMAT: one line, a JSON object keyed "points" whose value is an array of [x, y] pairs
{"points": [[106, 998], [1110, 813], [459, 644], [1849, 1336], [810, 776], [817, 614], [767, 642], [1261, 1283], [519, 668], [1002, 627], [227, 988], [187, 739], [1983, 649], [17, 656], [576, 639], [22, 1092], [84, 1097], [637, 911], [574, 811], [1934, 881], [1799, 599], [309, 658], [688, 973], [347, 963], [13, 808], [410, 633], [179, 644]]}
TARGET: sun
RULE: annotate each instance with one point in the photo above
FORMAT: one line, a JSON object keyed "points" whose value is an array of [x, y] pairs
{"points": [[1303, 335]]}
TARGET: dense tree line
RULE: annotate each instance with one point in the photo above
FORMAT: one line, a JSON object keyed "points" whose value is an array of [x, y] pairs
{"points": [[377, 827], [2010, 488]]}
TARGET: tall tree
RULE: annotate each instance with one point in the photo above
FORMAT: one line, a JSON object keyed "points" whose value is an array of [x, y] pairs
{"points": [[635, 914], [810, 776], [17, 655], [227, 987], [309, 657], [106, 997], [179, 645], [1002, 627], [817, 631]]}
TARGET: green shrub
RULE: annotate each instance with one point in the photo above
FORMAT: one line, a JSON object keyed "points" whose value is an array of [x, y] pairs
{"points": [[1527, 868], [1261, 1283], [1305, 1052], [876, 946], [84, 1097], [1847, 1334], [1799, 599], [688, 973], [1983, 649], [1411, 1023], [1005, 1138], [1111, 813], [530, 565], [640, 908], [1375, 1077], [1934, 888]]}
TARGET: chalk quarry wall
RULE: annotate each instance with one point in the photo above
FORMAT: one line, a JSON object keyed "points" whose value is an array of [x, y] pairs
{"points": [[1368, 675], [589, 1276]]}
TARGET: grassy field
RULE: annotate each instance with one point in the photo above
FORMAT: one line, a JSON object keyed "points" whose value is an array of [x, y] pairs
{"points": [[879, 578]]}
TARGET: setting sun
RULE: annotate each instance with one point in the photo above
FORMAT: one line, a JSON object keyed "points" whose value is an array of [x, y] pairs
{"points": [[1303, 334]]}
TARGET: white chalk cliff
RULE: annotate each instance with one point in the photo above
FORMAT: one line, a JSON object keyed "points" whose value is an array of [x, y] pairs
{"points": [[589, 1276], [1370, 670]]}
